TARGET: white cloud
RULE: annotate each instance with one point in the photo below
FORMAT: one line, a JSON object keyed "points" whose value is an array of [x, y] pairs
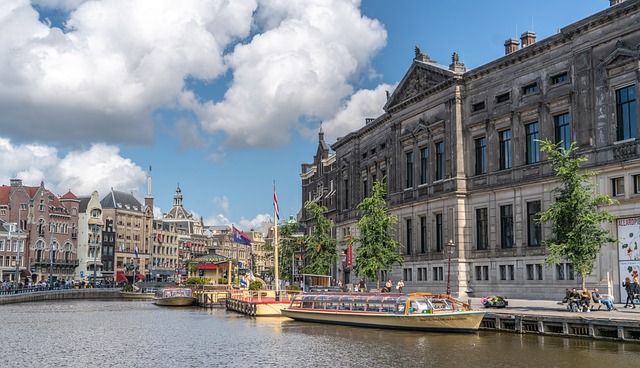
{"points": [[362, 104], [222, 203], [100, 167], [256, 223]]}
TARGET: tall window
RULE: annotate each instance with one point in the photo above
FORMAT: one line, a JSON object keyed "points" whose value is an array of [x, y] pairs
{"points": [[534, 230], [409, 235], [439, 243], [439, 160], [482, 229], [533, 146], [423, 234], [346, 194], [424, 165], [506, 226], [481, 156], [626, 113], [505, 149], [365, 188], [409, 172], [563, 134]]}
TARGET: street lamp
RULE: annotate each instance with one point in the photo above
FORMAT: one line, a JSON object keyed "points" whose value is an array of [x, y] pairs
{"points": [[450, 248], [51, 250]]}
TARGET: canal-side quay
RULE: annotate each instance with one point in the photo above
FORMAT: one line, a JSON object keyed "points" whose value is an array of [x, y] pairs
{"points": [[542, 317]]}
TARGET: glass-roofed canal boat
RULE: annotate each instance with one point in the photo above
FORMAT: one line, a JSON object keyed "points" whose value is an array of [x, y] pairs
{"points": [[414, 311]]}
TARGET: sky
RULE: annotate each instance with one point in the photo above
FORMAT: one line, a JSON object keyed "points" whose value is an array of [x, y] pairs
{"points": [[222, 98]]}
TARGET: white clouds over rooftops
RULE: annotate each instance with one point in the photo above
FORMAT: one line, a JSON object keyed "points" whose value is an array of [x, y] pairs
{"points": [[116, 62]]}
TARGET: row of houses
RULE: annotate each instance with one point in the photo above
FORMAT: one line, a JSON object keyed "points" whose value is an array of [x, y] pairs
{"points": [[112, 239], [459, 153]]}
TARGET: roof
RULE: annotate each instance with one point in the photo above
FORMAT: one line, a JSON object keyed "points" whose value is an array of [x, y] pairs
{"points": [[69, 195], [121, 200], [84, 202], [4, 195]]}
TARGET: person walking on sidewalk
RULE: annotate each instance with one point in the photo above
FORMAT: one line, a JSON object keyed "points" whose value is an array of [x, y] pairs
{"points": [[631, 288], [400, 286]]}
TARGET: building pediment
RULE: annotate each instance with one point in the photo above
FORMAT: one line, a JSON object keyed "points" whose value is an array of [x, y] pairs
{"points": [[621, 55], [421, 77]]}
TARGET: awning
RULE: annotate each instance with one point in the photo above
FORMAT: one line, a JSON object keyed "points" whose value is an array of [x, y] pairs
{"points": [[207, 266], [140, 277], [25, 273], [120, 277]]}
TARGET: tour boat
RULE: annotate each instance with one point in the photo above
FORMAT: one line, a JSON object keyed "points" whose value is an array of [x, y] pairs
{"points": [[176, 297], [139, 294], [415, 311]]}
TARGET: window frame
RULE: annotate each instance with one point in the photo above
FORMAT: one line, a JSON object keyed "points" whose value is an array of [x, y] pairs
{"points": [[532, 135], [481, 155], [506, 159], [626, 114]]}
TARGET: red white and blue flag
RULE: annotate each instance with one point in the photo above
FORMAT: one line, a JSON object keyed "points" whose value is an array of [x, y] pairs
{"points": [[275, 202], [240, 238]]}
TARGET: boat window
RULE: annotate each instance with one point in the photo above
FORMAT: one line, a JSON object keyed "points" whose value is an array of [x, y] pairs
{"points": [[331, 305], [307, 305], [358, 307], [318, 305], [389, 308], [373, 307], [399, 308], [343, 306]]}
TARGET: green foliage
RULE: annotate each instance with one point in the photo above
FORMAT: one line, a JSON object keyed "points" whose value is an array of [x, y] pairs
{"points": [[198, 280], [376, 248], [256, 285], [128, 288], [575, 216], [222, 280], [288, 244], [320, 247]]}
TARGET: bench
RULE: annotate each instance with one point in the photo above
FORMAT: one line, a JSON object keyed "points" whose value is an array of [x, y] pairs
{"points": [[593, 305]]}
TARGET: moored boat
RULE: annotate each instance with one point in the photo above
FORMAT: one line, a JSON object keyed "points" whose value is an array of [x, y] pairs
{"points": [[415, 311], [176, 297], [139, 294]]}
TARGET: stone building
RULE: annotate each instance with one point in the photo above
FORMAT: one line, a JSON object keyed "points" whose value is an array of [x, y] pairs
{"points": [[50, 228], [462, 165]]}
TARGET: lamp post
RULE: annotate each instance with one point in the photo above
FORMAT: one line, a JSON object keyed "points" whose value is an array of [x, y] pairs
{"points": [[450, 248], [51, 250]]}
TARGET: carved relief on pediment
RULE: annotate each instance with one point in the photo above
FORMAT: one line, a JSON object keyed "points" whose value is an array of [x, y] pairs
{"points": [[418, 81], [621, 54]]}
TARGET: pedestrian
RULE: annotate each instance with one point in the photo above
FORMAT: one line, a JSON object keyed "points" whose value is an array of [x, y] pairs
{"points": [[399, 286], [631, 288], [387, 287], [362, 285]]}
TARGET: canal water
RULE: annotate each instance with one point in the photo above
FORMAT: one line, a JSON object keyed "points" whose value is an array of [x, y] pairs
{"points": [[140, 334]]}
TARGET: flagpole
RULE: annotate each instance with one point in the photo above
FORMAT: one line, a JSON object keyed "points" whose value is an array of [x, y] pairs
{"points": [[275, 243]]}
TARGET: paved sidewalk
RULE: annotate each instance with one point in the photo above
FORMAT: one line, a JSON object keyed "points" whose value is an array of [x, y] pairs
{"points": [[552, 308]]}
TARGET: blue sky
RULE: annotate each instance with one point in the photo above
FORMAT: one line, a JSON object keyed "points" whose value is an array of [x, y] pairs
{"points": [[220, 99]]}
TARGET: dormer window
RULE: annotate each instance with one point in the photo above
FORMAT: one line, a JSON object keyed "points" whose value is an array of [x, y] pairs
{"points": [[478, 106], [502, 98], [560, 78]]}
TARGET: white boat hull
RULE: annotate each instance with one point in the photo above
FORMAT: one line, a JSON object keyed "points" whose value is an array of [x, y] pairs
{"points": [[445, 322]]}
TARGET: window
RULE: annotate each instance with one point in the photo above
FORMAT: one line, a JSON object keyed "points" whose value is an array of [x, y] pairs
{"points": [[618, 186], [507, 272], [534, 271], [563, 134], [534, 229], [346, 194], [559, 78], [478, 106], [506, 226], [482, 273], [502, 98], [422, 274], [439, 243], [626, 113], [409, 170], [481, 156], [407, 275], [530, 88], [423, 234], [505, 149], [564, 271], [530, 272], [636, 184], [365, 188], [482, 229], [438, 274], [533, 146], [424, 165], [439, 160], [409, 235]]}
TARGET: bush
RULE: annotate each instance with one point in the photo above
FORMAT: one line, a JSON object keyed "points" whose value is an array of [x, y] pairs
{"points": [[256, 285], [222, 280], [198, 280]]}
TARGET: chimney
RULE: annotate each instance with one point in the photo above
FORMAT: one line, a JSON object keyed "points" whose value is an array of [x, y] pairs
{"points": [[614, 2], [511, 45], [527, 38]]}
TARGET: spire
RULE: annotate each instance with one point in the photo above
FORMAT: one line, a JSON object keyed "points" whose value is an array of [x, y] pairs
{"points": [[320, 134], [177, 199], [149, 195]]}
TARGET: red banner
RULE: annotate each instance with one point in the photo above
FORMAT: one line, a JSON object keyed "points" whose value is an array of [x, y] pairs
{"points": [[349, 256]]}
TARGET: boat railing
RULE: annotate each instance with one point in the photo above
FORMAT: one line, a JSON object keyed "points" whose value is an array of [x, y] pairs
{"points": [[259, 296]]}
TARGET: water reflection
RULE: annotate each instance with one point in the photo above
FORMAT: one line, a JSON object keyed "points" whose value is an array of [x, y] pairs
{"points": [[140, 334]]}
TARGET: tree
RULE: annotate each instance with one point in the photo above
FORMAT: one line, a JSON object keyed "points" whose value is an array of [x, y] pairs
{"points": [[320, 248], [376, 248], [575, 216]]}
